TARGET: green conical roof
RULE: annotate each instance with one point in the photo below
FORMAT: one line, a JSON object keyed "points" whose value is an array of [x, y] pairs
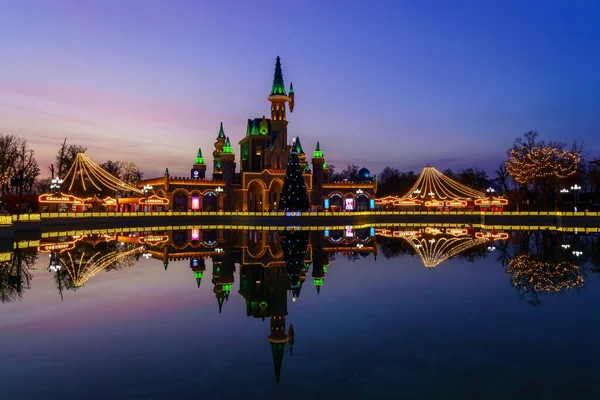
{"points": [[199, 158], [227, 148], [167, 171], [318, 153], [166, 265], [291, 88], [278, 87], [221, 132], [298, 146], [220, 300]]}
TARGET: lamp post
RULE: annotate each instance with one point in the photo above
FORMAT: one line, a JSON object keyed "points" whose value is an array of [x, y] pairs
{"points": [[146, 189], [575, 188], [54, 262], [55, 185], [219, 190]]}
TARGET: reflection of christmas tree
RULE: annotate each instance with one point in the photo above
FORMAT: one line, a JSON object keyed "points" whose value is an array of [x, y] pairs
{"points": [[294, 249], [293, 195]]}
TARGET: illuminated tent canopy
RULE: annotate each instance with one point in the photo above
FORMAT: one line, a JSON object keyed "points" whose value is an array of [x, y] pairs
{"points": [[91, 176], [434, 189]]}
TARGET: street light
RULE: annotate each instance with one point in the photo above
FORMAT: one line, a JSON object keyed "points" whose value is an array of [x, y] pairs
{"points": [[54, 262], [564, 191], [359, 191], [417, 191], [55, 185], [490, 191], [146, 189], [219, 190], [575, 188]]}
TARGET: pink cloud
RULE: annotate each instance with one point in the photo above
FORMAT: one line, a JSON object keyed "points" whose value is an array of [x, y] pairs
{"points": [[121, 105]]}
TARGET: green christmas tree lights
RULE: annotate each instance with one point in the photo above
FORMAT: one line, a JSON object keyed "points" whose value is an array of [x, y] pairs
{"points": [[294, 196]]}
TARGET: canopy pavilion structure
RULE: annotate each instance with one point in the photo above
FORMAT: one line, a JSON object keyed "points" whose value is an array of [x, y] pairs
{"points": [[436, 245], [433, 189], [85, 176]]}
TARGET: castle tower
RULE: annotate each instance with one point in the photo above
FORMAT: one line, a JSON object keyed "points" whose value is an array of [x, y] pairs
{"points": [[318, 162], [199, 168], [219, 145], [278, 99], [320, 262]]}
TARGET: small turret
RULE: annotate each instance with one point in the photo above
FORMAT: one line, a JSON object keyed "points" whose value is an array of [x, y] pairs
{"points": [[227, 148], [199, 158], [318, 173], [199, 168], [219, 145], [291, 96]]}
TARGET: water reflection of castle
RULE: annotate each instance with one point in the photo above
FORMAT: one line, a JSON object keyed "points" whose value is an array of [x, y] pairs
{"points": [[274, 266]]}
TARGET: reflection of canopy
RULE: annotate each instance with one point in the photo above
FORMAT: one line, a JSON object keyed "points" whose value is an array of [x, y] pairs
{"points": [[433, 181], [435, 251], [86, 170], [80, 272]]}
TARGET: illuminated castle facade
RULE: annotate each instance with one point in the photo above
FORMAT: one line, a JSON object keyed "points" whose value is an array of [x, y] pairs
{"points": [[264, 152]]}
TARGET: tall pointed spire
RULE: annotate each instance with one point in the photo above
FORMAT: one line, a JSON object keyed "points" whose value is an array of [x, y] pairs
{"points": [[278, 87], [318, 152], [277, 350], [221, 132], [291, 88]]}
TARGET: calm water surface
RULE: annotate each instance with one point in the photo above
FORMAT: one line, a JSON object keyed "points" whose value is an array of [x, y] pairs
{"points": [[398, 313]]}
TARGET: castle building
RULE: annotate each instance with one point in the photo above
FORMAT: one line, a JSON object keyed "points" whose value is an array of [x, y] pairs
{"points": [[264, 152]]}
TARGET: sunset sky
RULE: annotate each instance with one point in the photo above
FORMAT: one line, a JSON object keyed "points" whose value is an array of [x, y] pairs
{"points": [[402, 83]]}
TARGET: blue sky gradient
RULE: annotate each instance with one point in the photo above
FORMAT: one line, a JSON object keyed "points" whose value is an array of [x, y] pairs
{"points": [[402, 83]]}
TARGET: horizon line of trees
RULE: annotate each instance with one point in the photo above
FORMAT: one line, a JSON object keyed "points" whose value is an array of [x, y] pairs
{"points": [[532, 176]]}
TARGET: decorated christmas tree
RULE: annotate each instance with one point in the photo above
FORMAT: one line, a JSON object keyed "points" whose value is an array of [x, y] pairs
{"points": [[293, 195]]}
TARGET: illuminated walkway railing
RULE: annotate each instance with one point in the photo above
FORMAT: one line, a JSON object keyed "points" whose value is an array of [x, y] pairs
{"points": [[107, 214]]}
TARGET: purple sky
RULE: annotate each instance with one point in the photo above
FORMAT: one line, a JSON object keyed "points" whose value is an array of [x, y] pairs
{"points": [[402, 83]]}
